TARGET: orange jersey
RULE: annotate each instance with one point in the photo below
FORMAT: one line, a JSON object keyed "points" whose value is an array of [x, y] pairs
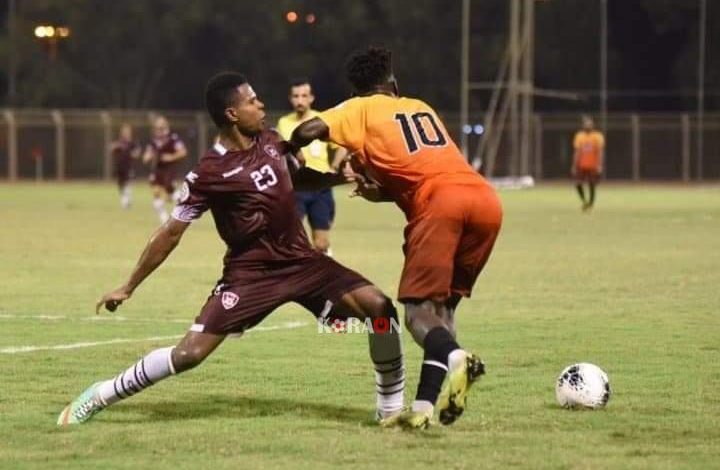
{"points": [[588, 147], [402, 144]]}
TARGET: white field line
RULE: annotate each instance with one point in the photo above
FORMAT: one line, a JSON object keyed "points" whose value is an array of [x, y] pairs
{"points": [[97, 318], [90, 344]]}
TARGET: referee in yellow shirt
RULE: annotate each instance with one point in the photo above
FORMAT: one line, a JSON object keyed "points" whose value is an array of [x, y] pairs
{"points": [[319, 206]]}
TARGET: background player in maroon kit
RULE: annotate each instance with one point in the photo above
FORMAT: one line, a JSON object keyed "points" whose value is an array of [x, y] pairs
{"points": [[124, 151], [244, 181], [162, 154]]}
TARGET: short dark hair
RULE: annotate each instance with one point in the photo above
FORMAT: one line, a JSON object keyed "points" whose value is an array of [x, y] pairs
{"points": [[370, 68], [297, 81], [220, 93]]}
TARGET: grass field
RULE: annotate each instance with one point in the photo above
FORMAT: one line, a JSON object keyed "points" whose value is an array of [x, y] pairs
{"points": [[633, 287]]}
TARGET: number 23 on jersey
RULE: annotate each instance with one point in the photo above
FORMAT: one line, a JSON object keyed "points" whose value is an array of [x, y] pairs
{"points": [[264, 177]]}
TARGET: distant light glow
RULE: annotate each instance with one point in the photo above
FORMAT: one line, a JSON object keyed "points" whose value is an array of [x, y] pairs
{"points": [[310, 18], [40, 32], [291, 17], [467, 129], [479, 129]]}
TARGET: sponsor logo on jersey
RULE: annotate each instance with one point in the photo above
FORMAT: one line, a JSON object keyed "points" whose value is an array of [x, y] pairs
{"points": [[229, 299], [232, 172]]}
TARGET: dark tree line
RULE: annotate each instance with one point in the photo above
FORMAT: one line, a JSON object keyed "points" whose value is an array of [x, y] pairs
{"points": [[159, 53]]}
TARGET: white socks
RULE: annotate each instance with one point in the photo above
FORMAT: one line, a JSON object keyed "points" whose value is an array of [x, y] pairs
{"points": [[125, 197], [149, 370], [456, 358], [386, 354], [159, 206]]}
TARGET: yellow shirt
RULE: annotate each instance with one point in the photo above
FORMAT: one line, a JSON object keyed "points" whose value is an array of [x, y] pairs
{"points": [[401, 143], [316, 152], [589, 146]]}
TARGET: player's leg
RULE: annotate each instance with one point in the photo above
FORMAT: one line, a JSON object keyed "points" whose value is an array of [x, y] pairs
{"points": [[160, 196], [124, 188], [592, 183], [385, 345], [154, 367], [476, 244], [579, 186], [321, 211], [430, 244], [330, 290]]}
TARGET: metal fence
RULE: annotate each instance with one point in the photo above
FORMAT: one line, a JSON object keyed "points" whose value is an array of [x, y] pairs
{"points": [[73, 144]]}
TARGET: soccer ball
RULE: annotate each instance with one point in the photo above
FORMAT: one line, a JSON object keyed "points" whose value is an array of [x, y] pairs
{"points": [[582, 385]]}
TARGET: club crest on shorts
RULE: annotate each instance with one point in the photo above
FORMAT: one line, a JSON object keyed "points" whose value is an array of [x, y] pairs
{"points": [[229, 299], [272, 151]]}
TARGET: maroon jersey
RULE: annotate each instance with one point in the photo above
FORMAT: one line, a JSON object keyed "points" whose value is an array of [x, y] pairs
{"points": [[250, 195], [123, 155], [160, 146]]}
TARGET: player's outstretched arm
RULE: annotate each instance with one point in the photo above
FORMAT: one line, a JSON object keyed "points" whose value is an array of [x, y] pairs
{"points": [[160, 245], [307, 179], [308, 131]]}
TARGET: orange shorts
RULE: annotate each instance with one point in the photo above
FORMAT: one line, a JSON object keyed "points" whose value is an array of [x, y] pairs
{"points": [[448, 242]]}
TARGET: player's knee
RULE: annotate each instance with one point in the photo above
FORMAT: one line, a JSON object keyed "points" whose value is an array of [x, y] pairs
{"points": [[379, 305], [187, 358]]}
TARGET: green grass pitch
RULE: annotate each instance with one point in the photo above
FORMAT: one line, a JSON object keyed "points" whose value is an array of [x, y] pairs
{"points": [[633, 286]]}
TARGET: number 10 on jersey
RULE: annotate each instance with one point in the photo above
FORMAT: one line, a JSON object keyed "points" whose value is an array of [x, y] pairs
{"points": [[422, 125]]}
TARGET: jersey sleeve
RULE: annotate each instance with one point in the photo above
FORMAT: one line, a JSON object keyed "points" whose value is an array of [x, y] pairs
{"points": [[577, 141], [600, 140], [346, 123], [192, 202]]}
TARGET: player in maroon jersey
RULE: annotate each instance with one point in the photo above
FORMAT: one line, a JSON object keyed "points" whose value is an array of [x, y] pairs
{"points": [[162, 154], [124, 151], [246, 183]]}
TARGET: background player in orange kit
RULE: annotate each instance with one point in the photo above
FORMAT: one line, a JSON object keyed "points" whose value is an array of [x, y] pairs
{"points": [[587, 167], [453, 215]]}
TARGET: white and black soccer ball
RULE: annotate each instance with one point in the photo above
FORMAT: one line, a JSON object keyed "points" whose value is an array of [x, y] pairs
{"points": [[582, 385]]}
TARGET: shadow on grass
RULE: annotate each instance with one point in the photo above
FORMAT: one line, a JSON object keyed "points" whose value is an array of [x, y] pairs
{"points": [[227, 406]]}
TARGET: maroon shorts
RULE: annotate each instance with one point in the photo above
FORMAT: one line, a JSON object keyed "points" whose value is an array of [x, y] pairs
{"points": [[123, 175], [163, 177], [589, 175], [242, 299]]}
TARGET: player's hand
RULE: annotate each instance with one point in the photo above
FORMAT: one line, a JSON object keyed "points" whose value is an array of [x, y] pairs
{"points": [[349, 172], [368, 191], [112, 300]]}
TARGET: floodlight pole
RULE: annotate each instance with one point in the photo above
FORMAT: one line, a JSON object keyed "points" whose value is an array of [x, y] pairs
{"points": [[513, 84], [701, 88], [603, 65], [528, 84], [12, 55], [464, 75]]}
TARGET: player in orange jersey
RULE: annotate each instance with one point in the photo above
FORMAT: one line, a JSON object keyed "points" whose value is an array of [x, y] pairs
{"points": [[587, 167], [403, 153]]}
